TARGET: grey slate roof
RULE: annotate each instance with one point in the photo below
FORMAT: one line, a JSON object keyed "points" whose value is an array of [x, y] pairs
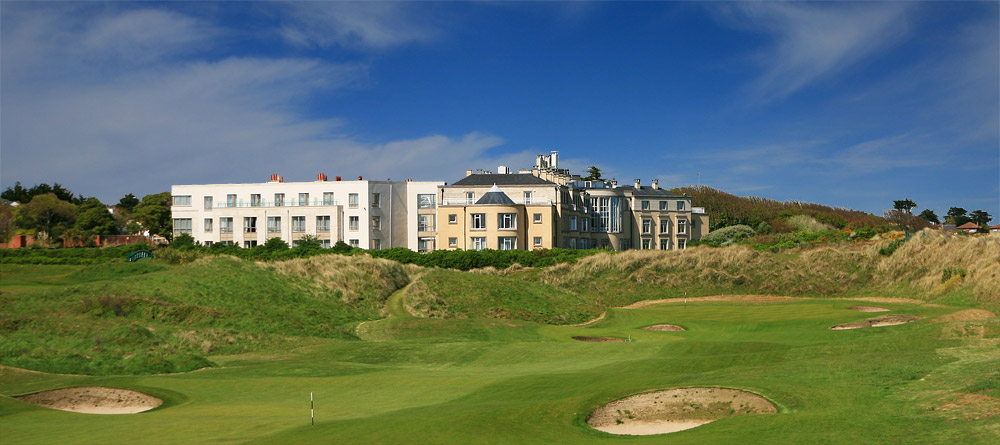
{"points": [[646, 190], [498, 179], [495, 197]]}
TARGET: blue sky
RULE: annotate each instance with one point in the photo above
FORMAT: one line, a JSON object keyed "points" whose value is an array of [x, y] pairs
{"points": [[845, 104]]}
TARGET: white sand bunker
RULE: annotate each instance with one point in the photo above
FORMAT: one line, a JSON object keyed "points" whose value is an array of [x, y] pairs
{"points": [[94, 400], [663, 327], [675, 410], [868, 309], [886, 320]]}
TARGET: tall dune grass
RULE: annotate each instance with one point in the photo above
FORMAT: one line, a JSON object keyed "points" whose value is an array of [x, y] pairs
{"points": [[353, 278]]}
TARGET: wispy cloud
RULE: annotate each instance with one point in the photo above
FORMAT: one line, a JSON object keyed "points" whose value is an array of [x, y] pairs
{"points": [[364, 25], [812, 42]]}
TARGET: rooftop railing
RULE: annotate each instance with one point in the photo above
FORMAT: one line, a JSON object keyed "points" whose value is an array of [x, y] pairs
{"points": [[317, 202]]}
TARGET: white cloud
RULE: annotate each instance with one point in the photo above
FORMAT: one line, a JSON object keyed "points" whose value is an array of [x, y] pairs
{"points": [[365, 25], [813, 42]]}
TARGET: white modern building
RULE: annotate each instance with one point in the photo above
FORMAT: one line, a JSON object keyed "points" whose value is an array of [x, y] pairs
{"points": [[367, 214]]}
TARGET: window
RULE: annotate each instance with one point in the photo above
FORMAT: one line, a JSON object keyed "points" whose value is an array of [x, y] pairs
{"points": [[537, 218], [452, 242], [470, 198], [680, 206], [255, 200], [507, 221], [527, 198], [324, 243], [376, 200], [585, 223], [425, 201], [208, 224], [376, 244], [507, 242], [538, 241], [645, 244], [377, 223], [352, 200], [452, 218], [663, 205], [647, 225], [273, 224], [572, 223], [230, 200], [250, 224], [680, 244], [208, 202], [323, 223], [478, 221], [182, 225], [664, 225], [279, 199], [328, 198], [584, 243], [298, 224], [209, 243], [352, 223], [681, 226], [645, 205], [478, 243], [664, 244], [249, 244], [303, 199], [182, 200], [354, 243], [572, 243], [425, 223], [425, 244], [226, 225]]}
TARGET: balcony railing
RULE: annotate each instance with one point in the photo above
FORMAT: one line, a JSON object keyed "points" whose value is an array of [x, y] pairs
{"points": [[318, 202]]}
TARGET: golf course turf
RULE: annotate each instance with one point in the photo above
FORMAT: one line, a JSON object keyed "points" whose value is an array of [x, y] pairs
{"points": [[412, 380]]}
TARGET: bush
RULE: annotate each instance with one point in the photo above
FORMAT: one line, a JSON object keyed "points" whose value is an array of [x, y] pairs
{"points": [[727, 235], [888, 250], [275, 245], [183, 241]]}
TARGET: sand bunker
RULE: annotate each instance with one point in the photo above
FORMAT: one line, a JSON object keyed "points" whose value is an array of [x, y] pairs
{"points": [[868, 309], [663, 327], [94, 400], [674, 410], [600, 339], [887, 320]]}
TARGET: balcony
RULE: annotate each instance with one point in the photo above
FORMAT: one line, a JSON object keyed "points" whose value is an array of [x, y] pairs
{"points": [[319, 202]]}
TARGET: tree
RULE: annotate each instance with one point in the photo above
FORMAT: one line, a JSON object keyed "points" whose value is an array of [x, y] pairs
{"points": [[929, 216], [153, 213], [980, 217], [593, 174], [275, 245], [905, 220], [128, 202], [7, 226], [957, 216], [93, 218], [904, 205], [47, 214], [23, 195]]}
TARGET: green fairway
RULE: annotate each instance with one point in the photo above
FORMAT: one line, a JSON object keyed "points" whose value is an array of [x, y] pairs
{"points": [[411, 380]]}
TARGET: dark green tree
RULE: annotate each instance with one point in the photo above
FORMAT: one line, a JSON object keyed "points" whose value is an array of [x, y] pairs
{"points": [[23, 195], [957, 215], [980, 217], [128, 202], [275, 245], [929, 216], [593, 174], [183, 241], [93, 218], [905, 205], [153, 214]]}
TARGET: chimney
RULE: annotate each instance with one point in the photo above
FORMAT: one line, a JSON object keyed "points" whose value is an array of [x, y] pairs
{"points": [[539, 161], [337, 178], [468, 172], [281, 179], [637, 186], [614, 183], [274, 178], [555, 159], [503, 170], [656, 184], [321, 177]]}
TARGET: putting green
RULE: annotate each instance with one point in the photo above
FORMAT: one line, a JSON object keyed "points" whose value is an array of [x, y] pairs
{"points": [[498, 381]]}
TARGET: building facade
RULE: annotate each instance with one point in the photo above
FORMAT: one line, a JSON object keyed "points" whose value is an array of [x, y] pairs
{"points": [[367, 214], [538, 208]]}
